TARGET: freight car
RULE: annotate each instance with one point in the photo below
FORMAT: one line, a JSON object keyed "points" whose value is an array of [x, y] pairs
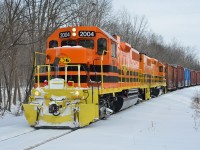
{"points": [[198, 77], [193, 76], [180, 77], [89, 74], [171, 77], [187, 78], [177, 77]]}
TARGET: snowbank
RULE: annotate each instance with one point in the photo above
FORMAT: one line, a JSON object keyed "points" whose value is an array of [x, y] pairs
{"points": [[163, 123]]}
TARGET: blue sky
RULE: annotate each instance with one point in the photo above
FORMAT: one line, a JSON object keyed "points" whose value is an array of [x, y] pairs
{"points": [[179, 19]]}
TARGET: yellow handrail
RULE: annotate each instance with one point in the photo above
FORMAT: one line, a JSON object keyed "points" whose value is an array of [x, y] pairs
{"points": [[79, 73], [38, 73], [38, 77], [48, 71], [102, 68], [35, 63]]}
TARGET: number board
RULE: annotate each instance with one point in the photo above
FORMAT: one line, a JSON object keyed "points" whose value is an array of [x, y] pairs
{"points": [[87, 34], [64, 34]]}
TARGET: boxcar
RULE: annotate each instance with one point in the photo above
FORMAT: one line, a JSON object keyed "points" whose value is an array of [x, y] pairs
{"points": [[198, 77], [171, 77], [187, 79], [180, 76], [193, 76]]}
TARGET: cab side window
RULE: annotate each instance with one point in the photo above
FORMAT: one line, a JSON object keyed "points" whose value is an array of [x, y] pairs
{"points": [[53, 44], [160, 68], [101, 46], [114, 49]]}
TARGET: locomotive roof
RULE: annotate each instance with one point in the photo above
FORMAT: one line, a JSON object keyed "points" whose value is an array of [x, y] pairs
{"points": [[108, 35]]}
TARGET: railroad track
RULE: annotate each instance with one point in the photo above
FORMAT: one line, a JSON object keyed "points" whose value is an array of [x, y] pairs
{"points": [[35, 138], [32, 139], [17, 135], [48, 140]]}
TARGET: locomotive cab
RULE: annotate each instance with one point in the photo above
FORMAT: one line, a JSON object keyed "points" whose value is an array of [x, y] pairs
{"points": [[90, 47]]}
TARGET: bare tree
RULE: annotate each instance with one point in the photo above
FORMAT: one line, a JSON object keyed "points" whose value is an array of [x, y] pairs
{"points": [[91, 12], [26, 24], [12, 32]]}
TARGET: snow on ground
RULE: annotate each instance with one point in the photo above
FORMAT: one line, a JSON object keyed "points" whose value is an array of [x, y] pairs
{"points": [[11, 126], [16, 134], [163, 123]]}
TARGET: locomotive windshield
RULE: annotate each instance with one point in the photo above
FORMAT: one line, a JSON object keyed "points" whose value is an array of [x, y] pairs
{"points": [[84, 43], [53, 44], [68, 43]]}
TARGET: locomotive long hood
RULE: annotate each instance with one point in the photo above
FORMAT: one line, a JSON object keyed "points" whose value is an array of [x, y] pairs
{"points": [[69, 54]]}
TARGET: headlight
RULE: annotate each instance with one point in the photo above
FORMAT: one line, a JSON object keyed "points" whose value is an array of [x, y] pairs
{"points": [[77, 93], [36, 93], [74, 34], [74, 29]]}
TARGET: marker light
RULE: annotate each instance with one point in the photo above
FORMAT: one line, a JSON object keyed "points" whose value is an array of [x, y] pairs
{"points": [[45, 82], [70, 83]]}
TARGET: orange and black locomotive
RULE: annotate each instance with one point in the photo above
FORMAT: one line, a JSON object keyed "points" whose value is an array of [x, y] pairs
{"points": [[87, 75]]}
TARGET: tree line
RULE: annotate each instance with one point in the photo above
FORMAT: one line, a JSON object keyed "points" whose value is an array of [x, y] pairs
{"points": [[26, 24]]}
